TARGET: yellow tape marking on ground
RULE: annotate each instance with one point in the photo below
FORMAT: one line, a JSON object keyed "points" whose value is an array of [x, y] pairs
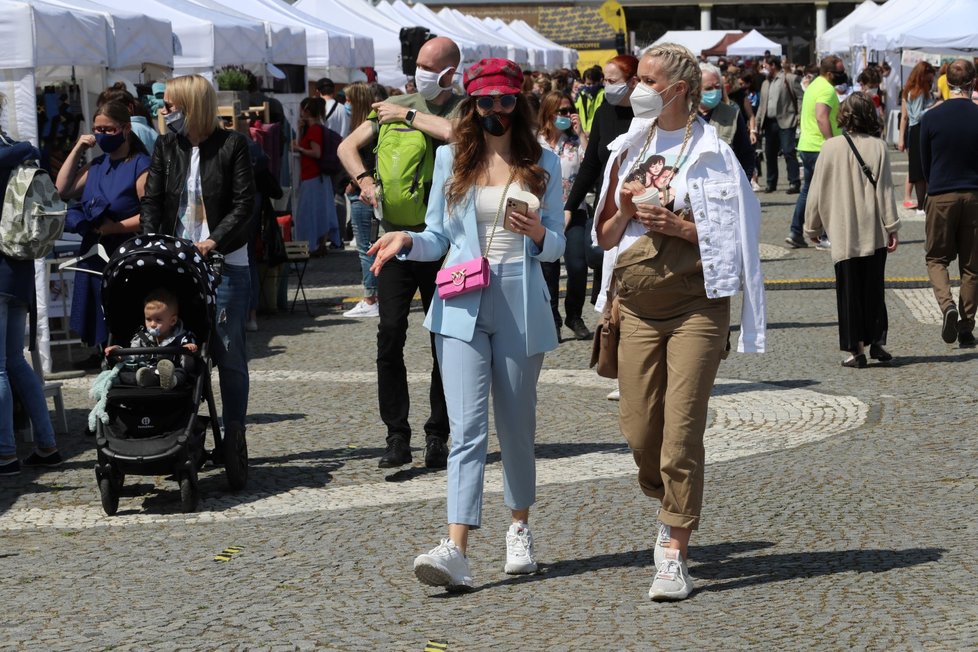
{"points": [[228, 553], [436, 646]]}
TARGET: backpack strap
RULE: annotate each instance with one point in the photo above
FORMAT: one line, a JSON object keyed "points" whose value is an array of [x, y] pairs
{"points": [[330, 112]]}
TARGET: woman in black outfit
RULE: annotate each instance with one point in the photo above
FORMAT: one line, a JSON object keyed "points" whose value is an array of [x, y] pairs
{"points": [[610, 121]]}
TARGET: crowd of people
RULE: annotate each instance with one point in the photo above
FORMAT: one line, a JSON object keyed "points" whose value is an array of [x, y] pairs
{"points": [[643, 172]]}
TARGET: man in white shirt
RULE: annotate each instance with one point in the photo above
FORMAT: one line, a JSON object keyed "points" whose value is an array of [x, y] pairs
{"points": [[891, 88], [337, 118]]}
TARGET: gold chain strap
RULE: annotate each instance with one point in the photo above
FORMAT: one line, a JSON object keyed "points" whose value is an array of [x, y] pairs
{"points": [[502, 201]]}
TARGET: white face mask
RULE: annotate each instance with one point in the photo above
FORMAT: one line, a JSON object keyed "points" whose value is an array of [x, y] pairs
{"points": [[647, 102], [616, 93], [427, 82]]}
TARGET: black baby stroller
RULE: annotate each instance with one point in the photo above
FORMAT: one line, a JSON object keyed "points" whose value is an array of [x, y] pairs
{"points": [[152, 431]]}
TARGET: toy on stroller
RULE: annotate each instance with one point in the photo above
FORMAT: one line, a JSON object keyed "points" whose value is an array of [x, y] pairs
{"points": [[151, 430]]}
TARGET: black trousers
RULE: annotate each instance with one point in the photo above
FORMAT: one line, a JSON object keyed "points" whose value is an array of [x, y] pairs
{"points": [[396, 285], [575, 259], [860, 298]]}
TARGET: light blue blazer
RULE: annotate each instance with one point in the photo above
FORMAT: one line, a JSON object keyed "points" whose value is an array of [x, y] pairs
{"points": [[457, 235]]}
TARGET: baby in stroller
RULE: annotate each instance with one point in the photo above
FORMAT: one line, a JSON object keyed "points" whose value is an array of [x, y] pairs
{"points": [[162, 327]]}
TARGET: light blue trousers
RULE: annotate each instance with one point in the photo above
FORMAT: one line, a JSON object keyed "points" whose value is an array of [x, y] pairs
{"points": [[495, 360]]}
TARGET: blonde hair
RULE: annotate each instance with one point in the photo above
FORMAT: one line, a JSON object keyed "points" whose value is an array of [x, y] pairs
{"points": [[198, 100], [680, 64], [162, 298]]}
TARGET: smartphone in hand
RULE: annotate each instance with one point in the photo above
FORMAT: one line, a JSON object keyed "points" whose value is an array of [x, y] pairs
{"points": [[517, 206]]}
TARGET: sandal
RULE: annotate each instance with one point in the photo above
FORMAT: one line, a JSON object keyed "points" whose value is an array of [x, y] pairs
{"points": [[855, 361], [909, 203], [877, 352]]}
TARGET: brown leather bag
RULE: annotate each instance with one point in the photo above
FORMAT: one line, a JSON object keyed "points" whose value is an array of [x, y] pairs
{"points": [[604, 348]]}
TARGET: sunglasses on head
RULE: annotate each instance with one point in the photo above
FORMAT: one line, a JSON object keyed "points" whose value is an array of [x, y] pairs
{"points": [[486, 102], [566, 110]]}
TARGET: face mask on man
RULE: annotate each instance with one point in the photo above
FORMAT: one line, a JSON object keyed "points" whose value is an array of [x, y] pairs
{"points": [[174, 121], [615, 94], [839, 78], [711, 98], [109, 143], [647, 102], [428, 83]]}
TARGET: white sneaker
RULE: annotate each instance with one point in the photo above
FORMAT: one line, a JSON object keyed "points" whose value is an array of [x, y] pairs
{"points": [[615, 395], [444, 565], [364, 309], [824, 244], [519, 550], [672, 580], [662, 540], [755, 186]]}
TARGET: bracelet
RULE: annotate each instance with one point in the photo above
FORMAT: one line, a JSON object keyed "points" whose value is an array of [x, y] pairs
{"points": [[365, 173]]}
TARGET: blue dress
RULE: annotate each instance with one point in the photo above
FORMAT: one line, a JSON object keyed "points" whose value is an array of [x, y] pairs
{"points": [[110, 193]]}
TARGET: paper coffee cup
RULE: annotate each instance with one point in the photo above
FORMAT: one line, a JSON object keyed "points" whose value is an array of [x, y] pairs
{"points": [[650, 197]]}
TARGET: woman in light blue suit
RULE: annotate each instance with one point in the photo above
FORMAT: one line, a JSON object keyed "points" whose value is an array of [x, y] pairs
{"points": [[493, 338]]}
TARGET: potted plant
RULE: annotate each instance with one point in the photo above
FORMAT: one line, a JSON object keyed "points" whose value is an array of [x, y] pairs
{"points": [[233, 83]]}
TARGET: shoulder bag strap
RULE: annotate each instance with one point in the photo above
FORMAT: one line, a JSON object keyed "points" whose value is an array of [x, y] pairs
{"points": [[328, 114], [862, 163]]}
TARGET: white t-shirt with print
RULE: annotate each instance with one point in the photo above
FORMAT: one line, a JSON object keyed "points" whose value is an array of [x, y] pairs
{"points": [[191, 217]]}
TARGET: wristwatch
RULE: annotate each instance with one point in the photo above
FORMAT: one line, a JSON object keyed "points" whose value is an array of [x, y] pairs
{"points": [[409, 117]]}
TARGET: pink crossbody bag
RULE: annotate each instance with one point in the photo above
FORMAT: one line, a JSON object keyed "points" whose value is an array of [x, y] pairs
{"points": [[472, 274]]}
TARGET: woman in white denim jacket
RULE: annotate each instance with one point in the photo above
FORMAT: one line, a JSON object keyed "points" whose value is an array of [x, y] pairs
{"points": [[681, 226]]}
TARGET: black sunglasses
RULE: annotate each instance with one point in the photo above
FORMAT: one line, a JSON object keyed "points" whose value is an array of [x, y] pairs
{"points": [[566, 111], [486, 102]]}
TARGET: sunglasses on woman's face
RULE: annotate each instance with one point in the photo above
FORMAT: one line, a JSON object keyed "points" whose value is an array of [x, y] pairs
{"points": [[566, 110], [486, 102]]}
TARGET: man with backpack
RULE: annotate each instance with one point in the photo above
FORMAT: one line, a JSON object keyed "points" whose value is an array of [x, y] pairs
{"points": [[404, 131]]}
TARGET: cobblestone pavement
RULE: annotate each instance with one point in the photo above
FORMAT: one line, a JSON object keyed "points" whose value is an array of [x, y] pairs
{"points": [[839, 504]]}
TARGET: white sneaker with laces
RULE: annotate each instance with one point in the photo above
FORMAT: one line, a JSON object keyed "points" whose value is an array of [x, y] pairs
{"points": [[364, 309], [519, 550], [444, 565], [824, 244], [672, 580], [662, 540]]}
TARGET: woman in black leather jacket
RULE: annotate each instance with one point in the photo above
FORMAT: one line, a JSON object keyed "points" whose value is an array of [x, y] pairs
{"points": [[201, 187]]}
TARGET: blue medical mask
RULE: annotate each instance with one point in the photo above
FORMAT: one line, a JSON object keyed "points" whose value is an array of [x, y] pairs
{"points": [[109, 143], [711, 98], [562, 122]]}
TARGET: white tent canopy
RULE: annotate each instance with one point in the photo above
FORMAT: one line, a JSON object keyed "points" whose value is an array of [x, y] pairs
{"points": [[40, 43], [383, 34], [946, 26], [133, 39], [286, 42], [205, 39], [569, 55], [329, 45], [753, 45], [472, 51], [471, 26], [541, 57], [898, 18], [837, 39], [695, 40]]}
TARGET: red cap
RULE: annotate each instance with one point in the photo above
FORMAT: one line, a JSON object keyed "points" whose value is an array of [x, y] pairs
{"points": [[493, 77]]}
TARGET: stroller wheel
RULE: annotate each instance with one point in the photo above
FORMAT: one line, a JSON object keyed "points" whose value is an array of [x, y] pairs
{"points": [[109, 491], [189, 495], [234, 448]]}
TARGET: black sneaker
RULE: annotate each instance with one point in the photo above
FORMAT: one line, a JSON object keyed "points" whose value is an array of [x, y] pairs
{"points": [[949, 331], [11, 467], [793, 189], [398, 453], [796, 242], [435, 454], [966, 339], [581, 332], [50, 460], [878, 353]]}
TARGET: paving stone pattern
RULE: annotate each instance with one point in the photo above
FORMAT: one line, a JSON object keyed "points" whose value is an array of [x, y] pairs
{"points": [[839, 505]]}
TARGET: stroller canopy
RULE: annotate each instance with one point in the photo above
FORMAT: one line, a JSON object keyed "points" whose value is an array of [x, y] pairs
{"points": [[144, 263]]}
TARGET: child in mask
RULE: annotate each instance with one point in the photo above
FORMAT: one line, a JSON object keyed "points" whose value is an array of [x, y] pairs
{"points": [[162, 327]]}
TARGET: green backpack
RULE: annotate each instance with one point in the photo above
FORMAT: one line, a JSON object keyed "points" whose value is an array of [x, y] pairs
{"points": [[405, 167], [33, 214]]}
